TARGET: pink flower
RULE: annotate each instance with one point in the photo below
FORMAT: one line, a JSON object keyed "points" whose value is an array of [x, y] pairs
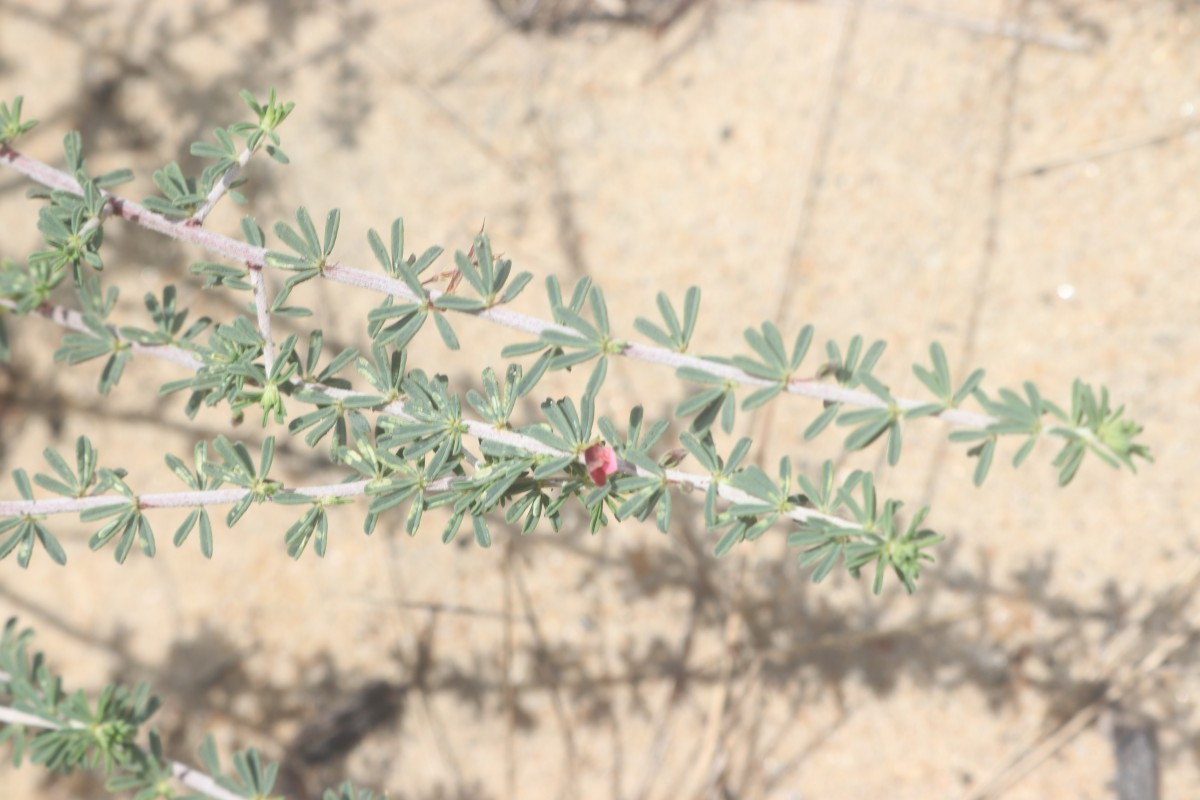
{"points": [[601, 461]]}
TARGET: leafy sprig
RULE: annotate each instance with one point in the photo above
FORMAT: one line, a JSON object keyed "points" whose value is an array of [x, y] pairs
{"points": [[1092, 426], [25, 531], [575, 340], [238, 468], [406, 437], [677, 336], [408, 317], [405, 442], [488, 275], [877, 538], [724, 376], [63, 731], [199, 479], [193, 198], [11, 125]]}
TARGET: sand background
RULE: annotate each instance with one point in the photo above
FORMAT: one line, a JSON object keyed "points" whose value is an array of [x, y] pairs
{"points": [[1014, 179]]}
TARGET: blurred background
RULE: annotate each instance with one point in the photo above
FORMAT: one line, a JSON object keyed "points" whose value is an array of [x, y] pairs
{"points": [[1013, 178]]}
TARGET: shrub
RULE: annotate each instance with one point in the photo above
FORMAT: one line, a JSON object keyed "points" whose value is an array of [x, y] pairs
{"points": [[404, 438]]}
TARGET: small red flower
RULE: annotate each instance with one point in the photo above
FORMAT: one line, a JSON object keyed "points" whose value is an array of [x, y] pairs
{"points": [[601, 461]]}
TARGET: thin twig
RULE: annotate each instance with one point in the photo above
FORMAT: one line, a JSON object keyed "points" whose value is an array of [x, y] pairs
{"points": [[210, 497], [1029, 758], [1107, 149], [221, 187], [712, 756], [1004, 30], [263, 312], [550, 679], [1120, 676]]}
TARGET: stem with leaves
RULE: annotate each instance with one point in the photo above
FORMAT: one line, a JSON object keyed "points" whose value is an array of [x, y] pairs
{"points": [[402, 439], [404, 436]]}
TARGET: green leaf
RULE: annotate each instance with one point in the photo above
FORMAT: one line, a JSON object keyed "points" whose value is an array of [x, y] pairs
{"points": [[515, 287], [311, 253], [471, 274], [731, 537], [446, 332], [11, 125], [937, 381], [761, 396], [701, 400], [872, 422], [453, 302], [332, 222], [986, 452], [756, 483], [483, 537], [1024, 452], [1068, 461], [894, 443], [968, 387], [822, 421]]}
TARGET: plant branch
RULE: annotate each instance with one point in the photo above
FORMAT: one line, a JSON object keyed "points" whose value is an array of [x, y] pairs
{"points": [[256, 257], [263, 313], [208, 497], [221, 187], [190, 777], [73, 320], [476, 429]]}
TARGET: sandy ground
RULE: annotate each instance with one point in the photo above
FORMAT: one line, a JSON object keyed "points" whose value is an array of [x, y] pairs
{"points": [[1014, 179]]}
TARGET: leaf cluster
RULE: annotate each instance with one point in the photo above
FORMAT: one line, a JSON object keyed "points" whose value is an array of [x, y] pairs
{"points": [[72, 733], [182, 196], [24, 532], [1091, 426], [11, 125]]}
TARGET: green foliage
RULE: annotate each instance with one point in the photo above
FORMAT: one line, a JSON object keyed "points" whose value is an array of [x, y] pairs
{"points": [[76, 733], [185, 196], [410, 316], [62, 731], [677, 337], [27, 530], [11, 125], [402, 439], [86, 480], [876, 538], [182, 195], [574, 340], [347, 792], [98, 341], [128, 524], [201, 479], [872, 423], [405, 435], [251, 777], [270, 116], [168, 321], [238, 468], [719, 398], [938, 381], [487, 275], [1090, 427]]}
